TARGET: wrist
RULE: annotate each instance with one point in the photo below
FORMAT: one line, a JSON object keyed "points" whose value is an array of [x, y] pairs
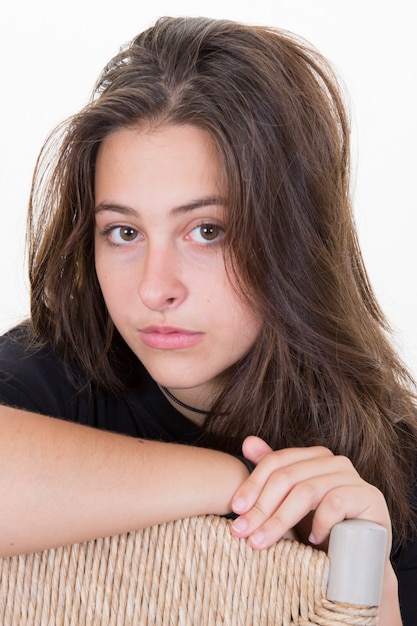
{"points": [[248, 464], [250, 467], [244, 468]]}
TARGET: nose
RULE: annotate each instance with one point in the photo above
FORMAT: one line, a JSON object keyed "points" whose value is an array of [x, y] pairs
{"points": [[161, 284]]}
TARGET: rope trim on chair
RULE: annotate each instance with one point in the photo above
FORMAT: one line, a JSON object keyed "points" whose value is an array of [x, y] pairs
{"points": [[191, 572]]}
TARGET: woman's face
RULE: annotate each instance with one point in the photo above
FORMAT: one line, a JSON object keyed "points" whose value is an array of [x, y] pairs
{"points": [[160, 220]]}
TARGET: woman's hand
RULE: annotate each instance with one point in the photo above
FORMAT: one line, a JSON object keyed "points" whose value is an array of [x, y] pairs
{"points": [[311, 490], [287, 485]]}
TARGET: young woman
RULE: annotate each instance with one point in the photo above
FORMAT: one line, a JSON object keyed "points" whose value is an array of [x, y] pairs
{"points": [[197, 285]]}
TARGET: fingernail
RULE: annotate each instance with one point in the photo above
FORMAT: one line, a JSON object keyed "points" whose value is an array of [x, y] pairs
{"points": [[240, 525], [238, 505], [258, 538], [312, 538]]}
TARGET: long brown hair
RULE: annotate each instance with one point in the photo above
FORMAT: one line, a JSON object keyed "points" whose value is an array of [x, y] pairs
{"points": [[322, 370]]}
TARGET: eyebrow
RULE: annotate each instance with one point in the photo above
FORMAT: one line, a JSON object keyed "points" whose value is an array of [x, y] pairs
{"points": [[179, 210]]}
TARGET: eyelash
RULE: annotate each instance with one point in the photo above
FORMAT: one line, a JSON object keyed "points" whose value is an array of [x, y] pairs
{"points": [[209, 225], [107, 233]]}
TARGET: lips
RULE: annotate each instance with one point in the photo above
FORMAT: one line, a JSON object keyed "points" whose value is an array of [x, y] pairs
{"points": [[169, 337]]}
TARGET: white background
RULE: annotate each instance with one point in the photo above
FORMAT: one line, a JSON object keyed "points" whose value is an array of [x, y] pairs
{"points": [[51, 54]]}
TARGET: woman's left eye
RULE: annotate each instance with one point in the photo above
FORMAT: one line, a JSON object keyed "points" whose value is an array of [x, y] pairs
{"points": [[206, 233]]}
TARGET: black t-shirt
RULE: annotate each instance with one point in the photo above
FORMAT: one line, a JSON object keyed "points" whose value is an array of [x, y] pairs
{"points": [[38, 381]]}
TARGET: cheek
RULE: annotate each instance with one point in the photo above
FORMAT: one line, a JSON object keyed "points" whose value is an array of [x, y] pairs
{"points": [[111, 288], [100, 267], [244, 324], [252, 330], [110, 273], [103, 278]]}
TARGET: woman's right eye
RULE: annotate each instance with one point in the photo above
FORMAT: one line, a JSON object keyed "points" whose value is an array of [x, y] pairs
{"points": [[120, 235]]}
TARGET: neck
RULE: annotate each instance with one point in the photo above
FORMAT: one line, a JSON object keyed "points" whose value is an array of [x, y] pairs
{"points": [[194, 414], [193, 409]]}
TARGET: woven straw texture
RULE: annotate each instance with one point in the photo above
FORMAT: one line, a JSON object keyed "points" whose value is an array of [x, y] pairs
{"points": [[192, 572]]}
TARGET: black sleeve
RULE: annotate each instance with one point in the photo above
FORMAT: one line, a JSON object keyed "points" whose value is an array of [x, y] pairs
{"points": [[34, 379]]}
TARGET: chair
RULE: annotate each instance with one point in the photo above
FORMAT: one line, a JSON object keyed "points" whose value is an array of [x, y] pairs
{"points": [[193, 572]]}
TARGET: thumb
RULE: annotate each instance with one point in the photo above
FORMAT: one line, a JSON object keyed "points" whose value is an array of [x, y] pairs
{"points": [[255, 448]]}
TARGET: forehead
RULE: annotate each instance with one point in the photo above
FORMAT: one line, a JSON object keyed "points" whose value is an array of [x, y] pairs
{"points": [[170, 159], [163, 143]]}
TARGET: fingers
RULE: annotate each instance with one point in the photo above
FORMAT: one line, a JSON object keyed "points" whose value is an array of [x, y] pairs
{"points": [[284, 467], [288, 484], [255, 448], [356, 501]]}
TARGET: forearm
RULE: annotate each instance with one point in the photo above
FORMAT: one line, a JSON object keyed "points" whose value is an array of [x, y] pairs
{"points": [[389, 610], [63, 483]]}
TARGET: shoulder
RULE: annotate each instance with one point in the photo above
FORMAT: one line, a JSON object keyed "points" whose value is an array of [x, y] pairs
{"points": [[33, 378], [21, 353]]}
